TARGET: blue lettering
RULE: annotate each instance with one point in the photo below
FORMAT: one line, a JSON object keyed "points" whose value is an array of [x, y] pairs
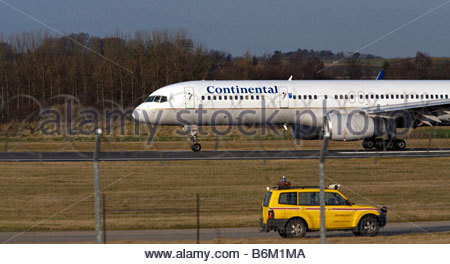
{"points": [[207, 89]]}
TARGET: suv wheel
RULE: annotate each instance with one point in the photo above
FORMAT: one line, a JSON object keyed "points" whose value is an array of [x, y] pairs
{"points": [[282, 233], [369, 226], [295, 228]]}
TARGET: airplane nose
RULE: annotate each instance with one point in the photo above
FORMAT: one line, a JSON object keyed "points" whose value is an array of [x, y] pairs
{"points": [[136, 114]]}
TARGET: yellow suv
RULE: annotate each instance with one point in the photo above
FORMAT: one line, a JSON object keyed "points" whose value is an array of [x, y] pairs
{"points": [[294, 210]]}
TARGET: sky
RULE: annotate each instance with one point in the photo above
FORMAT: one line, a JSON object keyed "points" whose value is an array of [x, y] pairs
{"points": [[258, 26]]}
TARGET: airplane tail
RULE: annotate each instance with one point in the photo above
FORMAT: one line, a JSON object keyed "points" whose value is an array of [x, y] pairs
{"points": [[380, 75]]}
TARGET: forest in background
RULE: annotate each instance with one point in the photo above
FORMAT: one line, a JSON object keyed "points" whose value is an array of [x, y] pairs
{"points": [[121, 70]]}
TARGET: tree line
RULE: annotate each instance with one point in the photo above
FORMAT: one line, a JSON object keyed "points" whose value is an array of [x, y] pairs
{"points": [[122, 69]]}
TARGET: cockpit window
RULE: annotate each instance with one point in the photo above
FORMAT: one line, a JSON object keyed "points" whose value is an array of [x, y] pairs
{"points": [[156, 99]]}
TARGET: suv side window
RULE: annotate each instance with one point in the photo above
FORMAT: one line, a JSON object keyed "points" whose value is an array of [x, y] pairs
{"points": [[288, 198], [334, 199], [308, 198]]}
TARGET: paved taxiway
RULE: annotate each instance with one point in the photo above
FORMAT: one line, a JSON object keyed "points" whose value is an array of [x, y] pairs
{"points": [[216, 155], [391, 229]]}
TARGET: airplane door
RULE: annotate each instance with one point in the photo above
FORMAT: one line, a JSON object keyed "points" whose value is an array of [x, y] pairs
{"points": [[189, 98], [284, 98]]}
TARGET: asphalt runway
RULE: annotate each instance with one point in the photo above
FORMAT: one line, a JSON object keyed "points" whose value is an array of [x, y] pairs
{"points": [[216, 155], [180, 235]]}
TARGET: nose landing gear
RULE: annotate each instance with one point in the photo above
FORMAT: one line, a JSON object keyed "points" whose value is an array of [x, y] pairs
{"points": [[195, 146]]}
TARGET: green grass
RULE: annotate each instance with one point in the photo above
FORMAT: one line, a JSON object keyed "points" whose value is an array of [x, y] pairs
{"points": [[154, 195]]}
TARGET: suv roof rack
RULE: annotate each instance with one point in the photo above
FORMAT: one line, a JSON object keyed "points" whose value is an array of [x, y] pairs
{"points": [[295, 187]]}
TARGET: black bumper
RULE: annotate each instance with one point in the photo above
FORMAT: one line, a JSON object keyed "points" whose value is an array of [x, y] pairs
{"points": [[272, 224], [382, 219]]}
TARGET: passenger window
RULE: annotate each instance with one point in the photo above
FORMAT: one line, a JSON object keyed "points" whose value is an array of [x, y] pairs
{"points": [[203, 97], [346, 96], [288, 198], [397, 96], [392, 96], [371, 96], [382, 96], [341, 97], [224, 97], [315, 96], [305, 97], [236, 97], [367, 96], [335, 96], [294, 97], [377, 96], [242, 97], [214, 97], [220, 97], [257, 97], [308, 198], [246, 97], [334, 199], [252, 97], [361, 96], [209, 97], [326, 97]]}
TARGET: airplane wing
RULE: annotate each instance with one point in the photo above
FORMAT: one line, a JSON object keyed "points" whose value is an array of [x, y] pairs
{"points": [[424, 112]]}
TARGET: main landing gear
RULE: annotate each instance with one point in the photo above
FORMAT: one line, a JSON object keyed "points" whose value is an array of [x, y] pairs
{"points": [[384, 144], [196, 147]]}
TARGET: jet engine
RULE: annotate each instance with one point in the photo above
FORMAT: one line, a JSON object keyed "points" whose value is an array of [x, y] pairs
{"points": [[354, 126]]}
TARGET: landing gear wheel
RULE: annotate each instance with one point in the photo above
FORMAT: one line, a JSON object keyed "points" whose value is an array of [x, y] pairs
{"points": [[295, 228], [400, 144], [379, 144], [196, 147], [389, 144], [369, 226], [368, 143]]}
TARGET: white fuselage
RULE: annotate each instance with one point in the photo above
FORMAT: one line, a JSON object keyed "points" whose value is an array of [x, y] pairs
{"points": [[278, 102]]}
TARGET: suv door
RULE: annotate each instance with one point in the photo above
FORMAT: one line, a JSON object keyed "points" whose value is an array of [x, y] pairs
{"points": [[339, 213]]}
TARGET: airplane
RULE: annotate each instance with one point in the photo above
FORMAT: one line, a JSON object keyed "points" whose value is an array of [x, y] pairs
{"points": [[368, 110]]}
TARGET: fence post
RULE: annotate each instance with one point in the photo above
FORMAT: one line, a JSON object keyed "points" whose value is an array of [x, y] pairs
{"points": [[326, 136], [104, 218], [198, 218], [97, 186]]}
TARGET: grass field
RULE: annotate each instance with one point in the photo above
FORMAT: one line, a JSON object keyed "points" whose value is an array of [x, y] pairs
{"points": [[152, 195], [168, 139]]}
